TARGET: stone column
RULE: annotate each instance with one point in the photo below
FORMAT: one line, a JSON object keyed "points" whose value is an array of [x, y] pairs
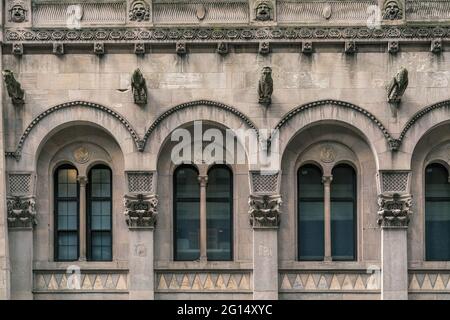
{"points": [[141, 213], [83, 181], [393, 217], [21, 220], [326, 180], [203, 180], [265, 218]]}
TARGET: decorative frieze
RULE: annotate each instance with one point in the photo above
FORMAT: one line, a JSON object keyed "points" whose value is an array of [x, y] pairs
{"points": [[303, 282], [429, 281], [141, 211], [75, 280], [169, 281], [394, 210], [14, 88], [264, 211], [21, 211]]}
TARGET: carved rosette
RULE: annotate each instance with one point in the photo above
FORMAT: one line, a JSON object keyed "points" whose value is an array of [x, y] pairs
{"points": [[21, 212], [141, 211], [265, 211], [394, 210]]}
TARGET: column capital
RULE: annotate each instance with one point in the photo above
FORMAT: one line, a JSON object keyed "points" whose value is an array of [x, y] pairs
{"points": [[83, 181], [394, 210], [21, 212], [327, 179], [203, 181], [264, 211], [141, 211]]}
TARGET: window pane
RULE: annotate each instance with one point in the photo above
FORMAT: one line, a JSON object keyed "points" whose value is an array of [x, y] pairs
{"points": [[311, 230], [68, 246], [310, 214], [219, 214], [342, 231], [186, 183], [187, 230], [343, 208], [101, 246], [437, 213]]}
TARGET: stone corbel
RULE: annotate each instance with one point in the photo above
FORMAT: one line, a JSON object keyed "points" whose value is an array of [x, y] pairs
{"points": [[21, 212], [394, 210], [264, 211], [141, 211]]}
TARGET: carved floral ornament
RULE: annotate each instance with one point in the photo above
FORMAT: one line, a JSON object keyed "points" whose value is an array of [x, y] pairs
{"points": [[327, 154], [21, 212], [81, 155], [141, 211], [264, 211], [394, 210]]}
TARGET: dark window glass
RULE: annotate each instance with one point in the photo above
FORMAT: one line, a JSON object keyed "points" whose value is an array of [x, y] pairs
{"points": [[437, 213], [343, 213], [66, 214], [310, 214], [186, 213], [219, 208], [99, 228]]}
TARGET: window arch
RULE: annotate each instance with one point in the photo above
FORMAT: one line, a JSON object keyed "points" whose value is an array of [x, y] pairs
{"points": [[343, 213], [219, 208], [67, 201], [437, 213], [310, 213], [99, 214], [186, 213]]}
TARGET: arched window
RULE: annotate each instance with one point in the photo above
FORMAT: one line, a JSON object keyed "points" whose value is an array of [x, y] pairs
{"points": [[67, 198], [343, 213], [186, 213], [219, 208], [310, 213], [99, 214], [437, 213]]}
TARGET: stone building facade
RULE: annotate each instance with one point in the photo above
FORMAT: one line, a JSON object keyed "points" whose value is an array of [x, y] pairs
{"points": [[358, 92]]}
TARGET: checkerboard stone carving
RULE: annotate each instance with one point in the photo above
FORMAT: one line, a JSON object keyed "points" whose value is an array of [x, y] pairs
{"points": [[140, 182], [263, 183], [19, 184], [395, 181]]}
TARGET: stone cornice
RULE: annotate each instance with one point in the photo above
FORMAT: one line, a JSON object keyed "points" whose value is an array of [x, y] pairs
{"points": [[230, 35]]}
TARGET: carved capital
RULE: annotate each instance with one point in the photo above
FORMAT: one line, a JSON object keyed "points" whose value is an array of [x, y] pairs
{"points": [[327, 179], [21, 212], [141, 211], [264, 211], [203, 181], [83, 181], [394, 210]]}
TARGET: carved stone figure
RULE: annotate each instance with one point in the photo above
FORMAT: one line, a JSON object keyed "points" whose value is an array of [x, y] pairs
{"points": [[14, 88], [139, 87], [222, 48], [398, 86], [141, 210], [263, 12], [139, 11], [392, 10], [265, 88], [394, 210], [18, 11], [265, 211], [21, 212]]}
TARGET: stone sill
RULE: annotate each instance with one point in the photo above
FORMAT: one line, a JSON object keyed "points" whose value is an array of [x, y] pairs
{"points": [[318, 266], [203, 266], [332, 291], [41, 266], [80, 291], [429, 266]]}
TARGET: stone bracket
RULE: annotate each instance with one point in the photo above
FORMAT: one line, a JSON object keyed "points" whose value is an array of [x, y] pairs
{"points": [[264, 211], [21, 212], [394, 210], [141, 211]]}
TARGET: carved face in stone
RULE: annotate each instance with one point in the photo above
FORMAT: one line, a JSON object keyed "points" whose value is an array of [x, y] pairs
{"points": [[139, 11], [392, 10], [263, 12], [267, 71], [18, 13]]}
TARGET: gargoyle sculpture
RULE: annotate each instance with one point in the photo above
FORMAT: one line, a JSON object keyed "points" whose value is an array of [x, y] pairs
{"points": [[265, 88], [397, 88], [14, 88], [139, 87]]}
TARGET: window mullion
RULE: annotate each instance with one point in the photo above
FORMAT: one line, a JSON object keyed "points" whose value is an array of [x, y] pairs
{"points": [[326, 180]]}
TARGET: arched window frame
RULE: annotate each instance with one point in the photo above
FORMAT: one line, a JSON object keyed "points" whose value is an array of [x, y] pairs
{"points": [[89, 202], [57, 200]]}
